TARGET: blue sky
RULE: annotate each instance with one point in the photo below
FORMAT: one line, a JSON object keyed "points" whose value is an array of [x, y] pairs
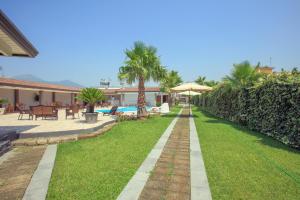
{"points": [[84, 41]]}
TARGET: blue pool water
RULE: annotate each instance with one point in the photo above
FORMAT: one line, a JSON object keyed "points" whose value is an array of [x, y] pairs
{"points": [[122, 109]]}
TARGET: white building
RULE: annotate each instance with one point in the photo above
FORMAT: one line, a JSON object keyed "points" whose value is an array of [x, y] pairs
{"points": [[30, 93], [128, 96]]}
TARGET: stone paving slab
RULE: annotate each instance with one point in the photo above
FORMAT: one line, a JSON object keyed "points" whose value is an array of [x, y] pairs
{"points": [[199, 183], [136, 184], [38, 187]]}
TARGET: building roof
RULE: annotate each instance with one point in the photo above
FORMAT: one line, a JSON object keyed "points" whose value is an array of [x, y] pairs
{"points": [[128, 90], [20, 84], [265, 67], [12, 41]]}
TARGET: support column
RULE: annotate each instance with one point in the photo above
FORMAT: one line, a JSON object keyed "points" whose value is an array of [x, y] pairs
{"points": [[16, 98], [53, 97], [72, 100], [121, 100], [75, 98]]}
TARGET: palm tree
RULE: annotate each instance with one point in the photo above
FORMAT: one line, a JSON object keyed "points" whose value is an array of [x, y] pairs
{"points": [[141, 64], [171, 80], [200, 80], [211, 83], [242, 75], [91, 96]]}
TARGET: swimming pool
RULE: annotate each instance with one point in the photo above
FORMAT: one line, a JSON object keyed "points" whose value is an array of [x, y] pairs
{"points": [[123, 109]]}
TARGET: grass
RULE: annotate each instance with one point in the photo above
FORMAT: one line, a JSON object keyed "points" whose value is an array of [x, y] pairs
{"points": [[99, 168], [242, 164]]}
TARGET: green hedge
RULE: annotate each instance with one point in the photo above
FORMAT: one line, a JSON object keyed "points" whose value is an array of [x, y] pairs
{"points": [[272, 108]]}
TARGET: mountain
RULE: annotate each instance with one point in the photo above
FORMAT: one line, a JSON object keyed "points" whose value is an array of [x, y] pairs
{"points": [[68, 83], [30, 77]]}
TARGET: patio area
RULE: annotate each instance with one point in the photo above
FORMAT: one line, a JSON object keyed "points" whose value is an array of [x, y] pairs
{"points": [[50, 128]]}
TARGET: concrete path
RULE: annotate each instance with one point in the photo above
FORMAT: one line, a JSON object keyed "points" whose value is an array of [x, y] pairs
{"points": [[135, 186], [199, 182], [38, 187], [16, 169], [174, 169]]}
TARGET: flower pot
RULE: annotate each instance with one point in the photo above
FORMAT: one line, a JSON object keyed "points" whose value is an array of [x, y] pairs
{"points": [[91, 117], [2, 110]]}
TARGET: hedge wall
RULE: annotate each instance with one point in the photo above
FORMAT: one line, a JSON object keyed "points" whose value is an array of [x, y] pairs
{"points": [[272, 108]]}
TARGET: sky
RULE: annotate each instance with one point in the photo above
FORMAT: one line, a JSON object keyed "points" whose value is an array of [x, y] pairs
{"points": [[84, 41]]}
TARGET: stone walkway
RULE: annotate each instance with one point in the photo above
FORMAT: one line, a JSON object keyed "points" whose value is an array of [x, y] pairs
{"points": [[17, 169], [174, 169], [170, 178]]}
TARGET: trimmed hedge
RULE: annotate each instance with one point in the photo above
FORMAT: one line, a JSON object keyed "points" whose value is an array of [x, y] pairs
{"points": [[272, 108]]}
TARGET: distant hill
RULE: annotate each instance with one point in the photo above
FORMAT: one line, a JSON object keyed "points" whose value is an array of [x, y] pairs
{"points": [[30, 77]]}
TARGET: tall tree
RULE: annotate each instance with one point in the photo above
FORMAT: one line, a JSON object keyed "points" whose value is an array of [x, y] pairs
{"points": [[171, 80], [141, 64], [243, 74], [201, 80]]}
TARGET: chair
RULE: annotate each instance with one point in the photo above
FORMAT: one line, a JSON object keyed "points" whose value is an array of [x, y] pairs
{"points": [[23, 111], [49, 111], [113, 111], [72, 110], [37, 111]]}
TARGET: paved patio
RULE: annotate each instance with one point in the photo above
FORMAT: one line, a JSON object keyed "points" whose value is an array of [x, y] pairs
{"points": [[47, 128]]}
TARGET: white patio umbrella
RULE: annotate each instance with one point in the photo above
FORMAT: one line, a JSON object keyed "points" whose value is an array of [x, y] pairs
{"points": [[188, 87], [191, 87], [189, 93]]}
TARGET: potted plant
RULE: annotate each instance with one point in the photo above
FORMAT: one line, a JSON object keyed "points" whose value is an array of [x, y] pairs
{"points": [[2, 109], [91, 96]]}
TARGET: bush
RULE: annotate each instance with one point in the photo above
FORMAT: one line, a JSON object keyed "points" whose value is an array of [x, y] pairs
{"points": [[272, 108]]}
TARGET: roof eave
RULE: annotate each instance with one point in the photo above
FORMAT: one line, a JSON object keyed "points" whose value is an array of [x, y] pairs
{"points": [[15, 34]]}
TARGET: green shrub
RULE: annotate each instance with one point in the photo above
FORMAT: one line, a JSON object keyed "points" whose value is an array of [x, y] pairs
{"points": [[272, 107]]}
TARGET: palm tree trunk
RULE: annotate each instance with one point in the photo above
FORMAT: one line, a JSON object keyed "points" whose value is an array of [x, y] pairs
{"points": [[170, 100], [141, 109]]}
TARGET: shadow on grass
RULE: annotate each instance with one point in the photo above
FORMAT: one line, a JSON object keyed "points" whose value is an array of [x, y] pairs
{"points": [[261, 138]]}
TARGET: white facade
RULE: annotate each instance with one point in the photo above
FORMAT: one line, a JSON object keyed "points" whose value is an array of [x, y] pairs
{"points": [[7, 94], [64, 98], [130, 98], [26, 97], [46, 98]]}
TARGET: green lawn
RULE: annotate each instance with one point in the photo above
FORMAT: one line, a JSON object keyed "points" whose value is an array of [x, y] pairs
{"points": [[242, 164], [99, 168]]}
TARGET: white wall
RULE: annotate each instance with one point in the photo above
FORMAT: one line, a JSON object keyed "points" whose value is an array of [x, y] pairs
{"points": [[46, 98], [27, 97], [7, 94], [64, 98], [131, 98]]}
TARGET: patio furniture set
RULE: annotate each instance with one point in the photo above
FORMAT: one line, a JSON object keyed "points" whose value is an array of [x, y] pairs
{"points": [[44, 112]]}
